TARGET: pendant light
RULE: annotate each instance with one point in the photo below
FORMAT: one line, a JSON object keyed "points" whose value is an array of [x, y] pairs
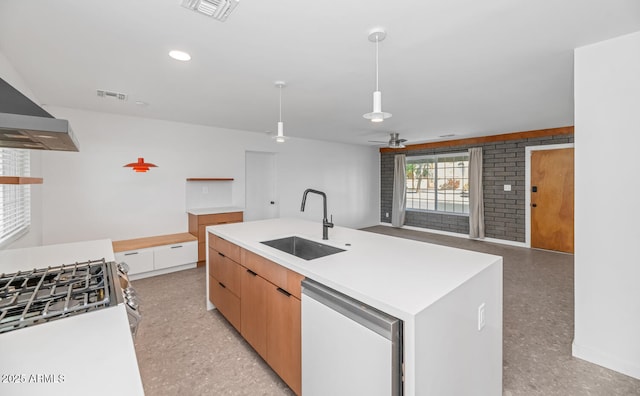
{"points": [[377, 115], [280, 138], [140, 166]]}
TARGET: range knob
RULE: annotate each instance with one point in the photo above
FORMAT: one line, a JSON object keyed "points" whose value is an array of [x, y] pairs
{"points": [[123, 267], [130, 292], [133, 304]]}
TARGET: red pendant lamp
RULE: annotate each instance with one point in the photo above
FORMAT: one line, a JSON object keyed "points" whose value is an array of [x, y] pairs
{"points": [[140, 166]]}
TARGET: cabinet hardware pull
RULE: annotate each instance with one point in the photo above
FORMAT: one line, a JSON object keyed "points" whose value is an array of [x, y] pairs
{"points": [[130, 254], [175, 247], [220, 254], [222, 284], [286, 293], [251, 272]]}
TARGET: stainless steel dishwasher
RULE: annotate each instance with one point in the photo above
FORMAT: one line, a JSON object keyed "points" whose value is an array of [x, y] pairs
{"points": [[348, 348]]}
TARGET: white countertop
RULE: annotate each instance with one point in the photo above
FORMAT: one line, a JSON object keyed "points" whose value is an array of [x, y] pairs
{"points": [[399, 276], [215, 210], [14, 260], [86, 354]]}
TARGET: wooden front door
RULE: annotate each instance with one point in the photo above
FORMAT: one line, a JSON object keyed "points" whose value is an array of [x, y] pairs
{"points": [[552, 200]]}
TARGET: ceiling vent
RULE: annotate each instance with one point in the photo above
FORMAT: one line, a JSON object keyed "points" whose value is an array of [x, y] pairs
{"points": [[216, 9], [110, 94]]}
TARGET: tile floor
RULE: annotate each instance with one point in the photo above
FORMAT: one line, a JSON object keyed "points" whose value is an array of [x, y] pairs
{"points": [[185, 350]]}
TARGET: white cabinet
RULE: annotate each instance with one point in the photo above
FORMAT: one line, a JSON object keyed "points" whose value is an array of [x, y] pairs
{"points": [[139, 261], [172, 255], [159, 259]]}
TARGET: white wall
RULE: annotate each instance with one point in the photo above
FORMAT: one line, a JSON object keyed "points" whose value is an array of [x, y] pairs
{"points": [[89, 195], [607, 136], [34, 237]]}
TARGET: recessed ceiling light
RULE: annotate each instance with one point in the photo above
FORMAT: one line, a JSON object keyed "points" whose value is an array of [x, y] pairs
{"points": [[180, 55]]}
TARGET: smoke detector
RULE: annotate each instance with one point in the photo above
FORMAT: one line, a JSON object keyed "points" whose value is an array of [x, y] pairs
{"points": [[110, 94], [216, 9]]}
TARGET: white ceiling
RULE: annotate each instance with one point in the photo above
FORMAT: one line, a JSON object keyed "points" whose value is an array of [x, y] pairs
{"points": [[463, 67]]}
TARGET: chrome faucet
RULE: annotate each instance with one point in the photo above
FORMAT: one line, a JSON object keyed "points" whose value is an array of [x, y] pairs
{"points": [[326, 224]]}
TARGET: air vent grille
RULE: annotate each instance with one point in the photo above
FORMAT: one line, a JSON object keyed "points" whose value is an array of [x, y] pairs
{"points": [[111, 94], [216, 9]]}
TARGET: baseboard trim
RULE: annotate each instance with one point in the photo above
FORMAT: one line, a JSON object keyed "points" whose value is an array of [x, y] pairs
{"points": [[464, 236], [602, 359]]}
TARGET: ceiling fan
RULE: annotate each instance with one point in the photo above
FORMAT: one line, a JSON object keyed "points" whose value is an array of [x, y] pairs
{"points": [[394, 141]]}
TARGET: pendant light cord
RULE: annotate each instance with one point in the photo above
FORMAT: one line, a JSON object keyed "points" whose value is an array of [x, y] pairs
{"points": [[280, 104], [377, 63]]}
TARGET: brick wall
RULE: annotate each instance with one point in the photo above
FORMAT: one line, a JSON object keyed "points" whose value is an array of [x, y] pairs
{"points": [[504, 211]]}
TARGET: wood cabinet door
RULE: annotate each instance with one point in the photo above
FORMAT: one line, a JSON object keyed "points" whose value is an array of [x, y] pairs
{"points": [[225, 270], [227, 303], [253, 311], [284, 336]]}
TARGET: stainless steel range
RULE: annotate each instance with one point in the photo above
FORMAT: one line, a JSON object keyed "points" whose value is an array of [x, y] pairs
{"points": [[37, 296]]}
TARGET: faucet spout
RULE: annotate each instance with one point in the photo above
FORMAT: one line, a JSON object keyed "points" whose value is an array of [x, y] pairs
{"points": [[326, 224]]}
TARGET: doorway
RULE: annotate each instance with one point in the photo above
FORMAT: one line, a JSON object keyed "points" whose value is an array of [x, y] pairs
{"points": [[550, 206], [260, 188]]}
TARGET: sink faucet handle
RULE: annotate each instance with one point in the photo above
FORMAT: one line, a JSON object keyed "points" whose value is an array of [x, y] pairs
{"points": [[330, 223]]}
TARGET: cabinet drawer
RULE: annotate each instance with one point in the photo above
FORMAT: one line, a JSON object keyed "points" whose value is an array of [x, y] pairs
{"points": [[225, 247], [274, 273], [226, 302], [139, 261], [225, 270], [176, 254], [220, 218]]}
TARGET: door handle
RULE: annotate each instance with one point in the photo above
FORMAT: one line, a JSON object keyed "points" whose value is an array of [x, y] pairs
{"points": [[273, 202], [534, 205]]}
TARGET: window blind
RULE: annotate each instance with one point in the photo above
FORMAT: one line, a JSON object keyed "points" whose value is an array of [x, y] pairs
{"points": [[15, 199]]}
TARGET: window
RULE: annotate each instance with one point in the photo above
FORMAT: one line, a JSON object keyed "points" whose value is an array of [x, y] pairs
{"points": [[15, 202], [438, 183]]}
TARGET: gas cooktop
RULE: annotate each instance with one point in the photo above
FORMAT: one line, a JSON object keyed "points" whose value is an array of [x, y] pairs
{"points": [[40, 295]]}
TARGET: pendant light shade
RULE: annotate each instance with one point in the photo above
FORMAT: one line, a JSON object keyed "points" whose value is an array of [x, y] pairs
{"points": [[377, 115], [140, 166], [280, 138]]}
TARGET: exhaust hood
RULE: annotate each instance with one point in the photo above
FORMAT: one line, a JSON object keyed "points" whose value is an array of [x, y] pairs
{"points": [[25, 125]]}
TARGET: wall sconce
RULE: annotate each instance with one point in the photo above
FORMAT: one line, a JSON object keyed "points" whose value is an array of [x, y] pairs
{"points": [[140, 166]]}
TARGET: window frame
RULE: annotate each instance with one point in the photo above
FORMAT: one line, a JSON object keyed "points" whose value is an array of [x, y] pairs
{"points": [[14, 198], [435, 159]]}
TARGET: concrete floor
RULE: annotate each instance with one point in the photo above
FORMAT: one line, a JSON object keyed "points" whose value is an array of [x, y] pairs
{"points": [[185, 350]]}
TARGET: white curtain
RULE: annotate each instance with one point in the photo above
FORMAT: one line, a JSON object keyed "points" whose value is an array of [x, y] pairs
{"points": [[476, 200], [399, 191]]}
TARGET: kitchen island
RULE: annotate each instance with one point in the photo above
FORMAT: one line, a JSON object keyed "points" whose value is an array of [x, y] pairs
{"points": [[450, 300]]}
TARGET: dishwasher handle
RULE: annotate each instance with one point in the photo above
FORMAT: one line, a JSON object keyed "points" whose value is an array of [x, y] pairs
{"points": [[371, 318]]}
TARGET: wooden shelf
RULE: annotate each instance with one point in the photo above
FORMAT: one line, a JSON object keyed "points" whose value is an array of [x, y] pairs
{"points": [[20, 180], [210, 179]]}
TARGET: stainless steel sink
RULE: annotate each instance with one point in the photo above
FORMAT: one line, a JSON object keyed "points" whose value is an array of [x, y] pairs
{"points": [[302, 248]]}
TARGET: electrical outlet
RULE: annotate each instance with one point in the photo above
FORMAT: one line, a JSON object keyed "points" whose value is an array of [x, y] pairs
{"points": [[481, 317], [387, 215], [507, 187], [205, 190]]}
